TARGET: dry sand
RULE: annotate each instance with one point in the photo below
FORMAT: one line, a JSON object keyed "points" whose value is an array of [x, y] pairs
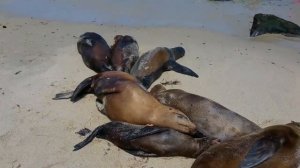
{"points": [[255, 77]]}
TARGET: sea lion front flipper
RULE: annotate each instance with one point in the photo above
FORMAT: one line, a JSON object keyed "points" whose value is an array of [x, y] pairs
{"points": [[63, 95], [172, 65], [146, 131], [89, 139], [82, 89], [261, 151], [140, 153], [107, 85]]}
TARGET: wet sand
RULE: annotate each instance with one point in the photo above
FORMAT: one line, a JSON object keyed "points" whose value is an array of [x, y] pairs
{"points": [[255, 77]]}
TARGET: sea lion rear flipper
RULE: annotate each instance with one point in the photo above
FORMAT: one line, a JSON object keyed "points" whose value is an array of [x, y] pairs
{"points": [[172, 65], [261, 151], [88, 139], [82, 89], [140, 153], [63, 95]]}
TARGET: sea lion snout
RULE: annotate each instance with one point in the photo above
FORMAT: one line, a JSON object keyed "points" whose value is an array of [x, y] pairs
{"points": [[177, 52]]}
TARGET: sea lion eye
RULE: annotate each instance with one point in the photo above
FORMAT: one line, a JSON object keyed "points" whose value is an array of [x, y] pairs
{"points": [[182, 117]]}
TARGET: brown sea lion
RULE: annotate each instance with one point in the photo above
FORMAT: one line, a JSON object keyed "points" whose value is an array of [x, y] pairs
{"points": [[149, 141], [152, 64], [273, 147], [95, 51], [125, 100], [211, 118], [124, 52]]}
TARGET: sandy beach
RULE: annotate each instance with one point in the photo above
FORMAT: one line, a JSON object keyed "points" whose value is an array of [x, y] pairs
{"points": [[255, 77]]}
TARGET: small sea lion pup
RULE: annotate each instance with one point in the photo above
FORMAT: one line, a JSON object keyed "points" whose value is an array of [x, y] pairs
{"points": [[125, 100], [125, 52], [152, 64], [95, 51], [148, 141], [273, 147], [211, 118]]}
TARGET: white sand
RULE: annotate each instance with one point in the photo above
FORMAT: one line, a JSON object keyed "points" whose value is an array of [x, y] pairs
{"points": [[254, 77]]}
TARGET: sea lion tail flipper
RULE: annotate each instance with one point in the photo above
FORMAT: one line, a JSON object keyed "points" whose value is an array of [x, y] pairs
{"points": [[174, 66], [63, 95], [82, 89], [89, 139], [261, 151], [141, 153]]}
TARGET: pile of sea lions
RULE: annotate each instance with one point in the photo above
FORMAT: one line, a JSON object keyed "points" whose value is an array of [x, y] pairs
{"points": [[162, 122]]}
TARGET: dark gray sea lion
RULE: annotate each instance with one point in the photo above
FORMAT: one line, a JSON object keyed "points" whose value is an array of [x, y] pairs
{"points": [[211, 118], [152, 64], [273, 147], [125, 52], [125, 100], [266, 23], [95, 52], [148, 140]]}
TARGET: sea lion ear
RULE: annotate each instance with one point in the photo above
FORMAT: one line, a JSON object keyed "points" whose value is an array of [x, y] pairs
{"points": [[261, 151]]}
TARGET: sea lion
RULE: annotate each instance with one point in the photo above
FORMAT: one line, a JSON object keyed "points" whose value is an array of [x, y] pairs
{"points": [[211, 118], [273, 147], [153, 63], [149, 141], [266, 23], [125, 100], [124, 52], [95, 51]]}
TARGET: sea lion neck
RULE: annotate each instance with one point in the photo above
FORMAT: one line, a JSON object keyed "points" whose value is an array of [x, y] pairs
{"points": [[200, 145]]}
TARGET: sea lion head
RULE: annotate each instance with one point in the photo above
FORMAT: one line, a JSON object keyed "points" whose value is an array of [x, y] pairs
{"points": [[124, 53], [296, 126], [95, 51]]}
